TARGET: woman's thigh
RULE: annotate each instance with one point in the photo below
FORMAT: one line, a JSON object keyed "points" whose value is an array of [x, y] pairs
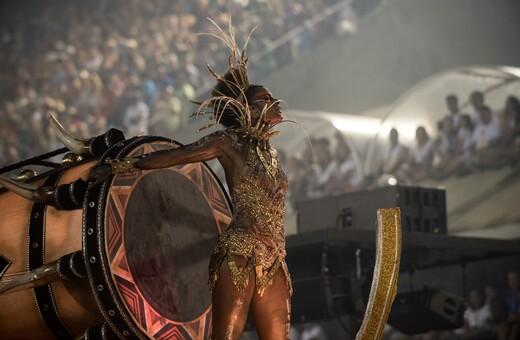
{"points": [[230, 307], [272, 310]]}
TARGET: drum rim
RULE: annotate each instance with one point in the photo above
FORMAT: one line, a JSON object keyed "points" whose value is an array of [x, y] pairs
{"points": [[110, 306], [108, 299]]}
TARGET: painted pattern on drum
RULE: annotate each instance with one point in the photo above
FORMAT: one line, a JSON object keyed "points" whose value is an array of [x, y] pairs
{"points": [[169, 234], [188, 208]]}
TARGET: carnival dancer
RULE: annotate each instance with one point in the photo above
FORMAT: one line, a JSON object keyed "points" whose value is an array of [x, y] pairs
{"points": [[247, 269]]}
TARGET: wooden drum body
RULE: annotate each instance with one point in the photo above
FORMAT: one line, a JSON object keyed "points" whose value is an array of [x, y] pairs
{"points": [[19, 315], [145, 240]]}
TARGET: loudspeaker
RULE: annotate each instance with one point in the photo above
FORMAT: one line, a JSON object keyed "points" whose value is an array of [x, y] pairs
{"points": [[425, 310], [320, 298], [422, 209]]}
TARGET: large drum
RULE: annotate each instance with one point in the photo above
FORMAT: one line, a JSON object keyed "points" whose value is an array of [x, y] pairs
{"points": [[145, 239]]}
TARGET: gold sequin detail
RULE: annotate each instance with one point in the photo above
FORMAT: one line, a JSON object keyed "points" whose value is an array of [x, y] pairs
{"points": [[386, 272], [272, 166], [256, 231]]}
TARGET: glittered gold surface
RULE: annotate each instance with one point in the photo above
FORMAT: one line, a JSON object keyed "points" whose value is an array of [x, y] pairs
{"points": [[256, 231], [386, 272]]}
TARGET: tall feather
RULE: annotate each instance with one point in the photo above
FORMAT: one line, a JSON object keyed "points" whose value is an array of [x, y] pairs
{"points": [[236, 104]]}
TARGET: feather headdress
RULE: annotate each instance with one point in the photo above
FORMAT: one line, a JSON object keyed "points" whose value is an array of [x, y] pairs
{"points": [[229, 94]]}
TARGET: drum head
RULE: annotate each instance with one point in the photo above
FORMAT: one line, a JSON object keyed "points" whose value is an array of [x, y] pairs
{"points": [[160, 229]]}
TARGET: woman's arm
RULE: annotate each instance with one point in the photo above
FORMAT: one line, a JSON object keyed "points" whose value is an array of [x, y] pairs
{"points": [[217, 145], [206, 148]]}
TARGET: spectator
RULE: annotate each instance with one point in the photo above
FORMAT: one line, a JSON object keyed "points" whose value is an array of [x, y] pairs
{"points": [[167, 117], [312, 331], [476, 99], [135, 120], [476, 318], [510, 130], [347, 20], [510, 329], [445, 147], [323, 168], [463, 150], [510, 120], [299, 172], [186, 92], [395, 155], [420, 159], [484, 141], [497, 307], [452, 102], [464, 137], [112, 95], [90, 92], [346, 175], [513, 294]]}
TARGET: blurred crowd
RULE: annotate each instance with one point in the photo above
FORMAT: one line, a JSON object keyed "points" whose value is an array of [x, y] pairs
{"points": [[493, 313], [465, 142], [332, 170], [133, 65]]}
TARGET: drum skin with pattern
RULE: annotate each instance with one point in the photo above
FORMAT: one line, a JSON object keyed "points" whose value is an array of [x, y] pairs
{"points": [[145, 237]]}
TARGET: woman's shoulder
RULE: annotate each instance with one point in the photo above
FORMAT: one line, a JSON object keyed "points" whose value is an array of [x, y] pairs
{"points": [[227, 136]]}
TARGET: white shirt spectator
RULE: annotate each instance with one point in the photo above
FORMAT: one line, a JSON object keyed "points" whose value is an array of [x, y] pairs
{"points": [[349, 167], [324, 175], [465, 138], [313, 332], [135, 121], [421, 154], [393, 153], [443, 144], [485, 133], [476, 119], [477, 318], [456, 118]]}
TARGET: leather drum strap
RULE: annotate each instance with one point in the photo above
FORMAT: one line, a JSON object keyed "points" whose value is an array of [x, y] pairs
{"points": [[36, 250], [4, 264]]}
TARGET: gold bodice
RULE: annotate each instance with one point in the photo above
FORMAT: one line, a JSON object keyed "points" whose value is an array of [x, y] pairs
{"points": [[259, 200], [256, 231]]}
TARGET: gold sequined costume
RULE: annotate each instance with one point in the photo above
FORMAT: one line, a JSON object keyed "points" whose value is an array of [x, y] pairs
{"points": [[256, 231]]}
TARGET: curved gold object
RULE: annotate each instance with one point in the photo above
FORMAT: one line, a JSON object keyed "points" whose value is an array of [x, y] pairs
{"points": [[71, 158], [123, 165], [75, 144], [386, 272], [26, 174], [38, 194]]}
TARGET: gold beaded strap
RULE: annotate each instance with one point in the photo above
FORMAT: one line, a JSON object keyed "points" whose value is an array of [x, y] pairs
{"points": [[386, 272], [123, 165]]}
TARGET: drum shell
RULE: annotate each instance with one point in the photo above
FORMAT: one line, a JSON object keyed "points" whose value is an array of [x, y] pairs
{"points": [[19, 315], [101, 298]]}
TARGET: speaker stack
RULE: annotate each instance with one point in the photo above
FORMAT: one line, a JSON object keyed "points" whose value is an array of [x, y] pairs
{"points": [[422, 209], [429, 309]]}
